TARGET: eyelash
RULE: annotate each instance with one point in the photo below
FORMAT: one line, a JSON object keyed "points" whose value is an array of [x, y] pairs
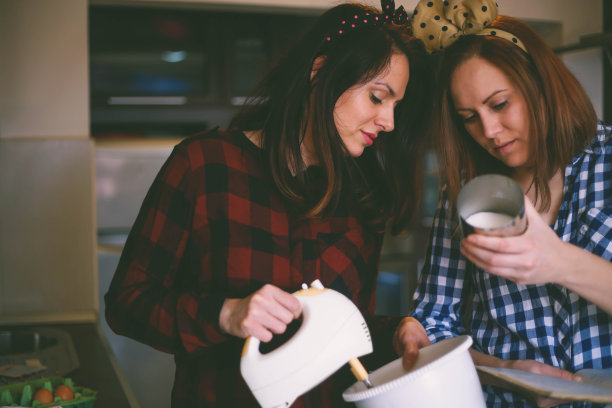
{"points": [[497, 108], [468, 119], [375, 100], [500, 106]]}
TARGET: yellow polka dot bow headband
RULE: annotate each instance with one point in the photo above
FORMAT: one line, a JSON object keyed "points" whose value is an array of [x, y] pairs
{"points": [[438, 23]]}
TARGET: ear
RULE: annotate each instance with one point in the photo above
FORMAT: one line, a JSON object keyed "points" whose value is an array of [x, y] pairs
{"points": [[316, 65]]}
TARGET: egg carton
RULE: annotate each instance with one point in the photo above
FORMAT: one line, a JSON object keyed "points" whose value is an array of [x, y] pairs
{"points": [[20, 395]]}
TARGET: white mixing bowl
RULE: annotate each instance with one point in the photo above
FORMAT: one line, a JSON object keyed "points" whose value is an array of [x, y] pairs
{"points": [[444, 376]]}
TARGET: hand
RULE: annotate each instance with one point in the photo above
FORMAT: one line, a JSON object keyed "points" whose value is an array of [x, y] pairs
{"points": [[544, 369], [534, 257], [263, 314], [409, 337]]}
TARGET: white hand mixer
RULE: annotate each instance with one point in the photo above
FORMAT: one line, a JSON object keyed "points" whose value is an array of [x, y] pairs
{"points": [[333, 332]]}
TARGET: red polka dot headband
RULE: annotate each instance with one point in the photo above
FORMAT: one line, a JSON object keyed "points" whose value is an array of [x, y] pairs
{"points": [[362, 18], [439, 23]]}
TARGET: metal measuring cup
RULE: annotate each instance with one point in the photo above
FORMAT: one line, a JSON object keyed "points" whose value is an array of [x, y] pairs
{"points": [[493, 205]]}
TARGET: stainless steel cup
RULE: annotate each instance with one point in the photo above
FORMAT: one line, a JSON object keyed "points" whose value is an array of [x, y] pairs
{"points": [[492, 205]]}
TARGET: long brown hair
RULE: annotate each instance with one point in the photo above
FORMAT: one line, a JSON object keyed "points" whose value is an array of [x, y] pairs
{"points": [[561, 115]]}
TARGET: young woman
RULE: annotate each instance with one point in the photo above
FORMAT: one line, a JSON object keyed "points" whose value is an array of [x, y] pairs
{"points": [[540, 301], [300, 188]]}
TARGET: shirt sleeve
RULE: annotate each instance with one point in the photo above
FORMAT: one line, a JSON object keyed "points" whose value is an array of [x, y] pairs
{"points": [[595, 232], [594, 229], [439, 297], [144, 301]]}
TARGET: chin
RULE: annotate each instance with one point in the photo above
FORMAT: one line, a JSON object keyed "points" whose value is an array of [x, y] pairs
{"points": [[356, 153]]}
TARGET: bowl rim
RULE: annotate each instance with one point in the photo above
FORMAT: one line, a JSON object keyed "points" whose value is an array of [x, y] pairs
{"points": [[463, 343]]}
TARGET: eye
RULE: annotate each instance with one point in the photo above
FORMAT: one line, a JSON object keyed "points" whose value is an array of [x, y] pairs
{"points": [[375, 100], [500, 106], [468, 119]]}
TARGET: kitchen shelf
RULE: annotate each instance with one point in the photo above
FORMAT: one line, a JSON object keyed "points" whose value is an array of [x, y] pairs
{"points": [[603, 40]]}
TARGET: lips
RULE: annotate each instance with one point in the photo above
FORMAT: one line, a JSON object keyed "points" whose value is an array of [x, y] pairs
{"points": [[369, 137], [503, 148]]}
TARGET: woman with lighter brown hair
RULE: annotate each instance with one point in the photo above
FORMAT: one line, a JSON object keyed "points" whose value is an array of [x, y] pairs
{"points": [[540, 301]]}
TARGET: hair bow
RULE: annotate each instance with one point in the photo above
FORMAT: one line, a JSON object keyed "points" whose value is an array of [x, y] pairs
{"points": [[438, 23], [398, 16]]}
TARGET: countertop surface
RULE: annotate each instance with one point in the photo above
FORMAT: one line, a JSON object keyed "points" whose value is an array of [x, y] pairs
{"points": [[95, 370]]}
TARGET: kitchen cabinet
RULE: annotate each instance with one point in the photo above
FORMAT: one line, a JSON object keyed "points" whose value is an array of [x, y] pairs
{"points": [[47, 238], [170, 72]]}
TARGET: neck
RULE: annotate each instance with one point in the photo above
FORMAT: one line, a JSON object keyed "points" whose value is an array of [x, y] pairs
{"points": [[524, 178], [254, 136], [555, 184]]}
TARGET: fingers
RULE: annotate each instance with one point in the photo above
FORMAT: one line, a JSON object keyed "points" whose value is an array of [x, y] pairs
{"points": [[411, 353], [269, 312], [502, 264], [288, 302], [542, 368], [263, 314], [409, 337], [510, 245]]}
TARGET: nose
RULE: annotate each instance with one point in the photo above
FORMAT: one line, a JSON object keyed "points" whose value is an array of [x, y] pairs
{"points": [[385, 118], [490, 125]]}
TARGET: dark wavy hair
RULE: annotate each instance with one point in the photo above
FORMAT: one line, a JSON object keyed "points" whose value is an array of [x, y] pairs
{"points": [[385, 180], [561, 115]]}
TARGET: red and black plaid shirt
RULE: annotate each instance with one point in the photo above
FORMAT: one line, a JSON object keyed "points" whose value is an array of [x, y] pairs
{"points": [[211, 227]]}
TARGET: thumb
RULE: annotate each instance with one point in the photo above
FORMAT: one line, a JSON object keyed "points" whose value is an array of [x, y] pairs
{"points": [[529, 208], [410, 355], [531, 214]]}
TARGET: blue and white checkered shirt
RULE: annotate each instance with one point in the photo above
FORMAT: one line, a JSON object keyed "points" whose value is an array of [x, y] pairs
{"points": [[547, 323]]}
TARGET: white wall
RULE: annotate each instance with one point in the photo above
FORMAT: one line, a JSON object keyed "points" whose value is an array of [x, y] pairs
{"points": [[578, 18], [44, 80], [47, 232]]}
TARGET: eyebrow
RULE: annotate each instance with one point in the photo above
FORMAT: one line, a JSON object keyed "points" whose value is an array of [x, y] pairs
{"points": [[484, 101], [492, 95], [391, 91]]}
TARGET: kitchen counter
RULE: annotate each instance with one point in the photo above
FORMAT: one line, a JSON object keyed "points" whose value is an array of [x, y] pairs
{"points": [[96, 369]]}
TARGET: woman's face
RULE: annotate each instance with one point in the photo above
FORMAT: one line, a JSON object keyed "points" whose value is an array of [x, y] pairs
{"points": [[366, 109], [493, 111]]}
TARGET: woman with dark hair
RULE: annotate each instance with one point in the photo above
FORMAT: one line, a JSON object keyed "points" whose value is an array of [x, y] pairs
{"points": [[302, 187], [540, 301]]}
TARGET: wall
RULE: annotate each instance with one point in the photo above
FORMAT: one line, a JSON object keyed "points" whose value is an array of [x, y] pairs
{"points": [[47, 233], [44, 71], [578, 18]]}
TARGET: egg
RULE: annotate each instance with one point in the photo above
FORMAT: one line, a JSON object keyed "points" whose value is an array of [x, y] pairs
{"points": [[64, 392], [43, 396]]}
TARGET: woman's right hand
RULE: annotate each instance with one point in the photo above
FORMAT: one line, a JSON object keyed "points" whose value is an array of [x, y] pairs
{"points": [[266, 312], [409, 337]]}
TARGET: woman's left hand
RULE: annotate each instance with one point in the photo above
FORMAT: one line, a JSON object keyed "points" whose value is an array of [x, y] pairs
{"points": [[534, 257]]}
